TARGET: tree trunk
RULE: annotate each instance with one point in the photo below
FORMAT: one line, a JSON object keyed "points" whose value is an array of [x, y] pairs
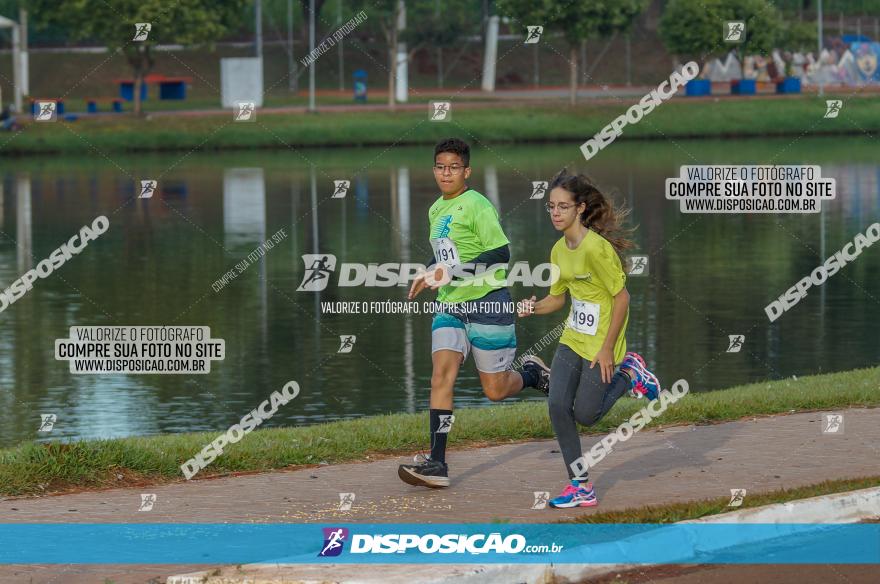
{"points": [[138, 83], [573, 74]]}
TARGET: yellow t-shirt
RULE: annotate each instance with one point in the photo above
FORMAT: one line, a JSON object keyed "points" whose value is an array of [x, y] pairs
{"points": [[592, 275]]}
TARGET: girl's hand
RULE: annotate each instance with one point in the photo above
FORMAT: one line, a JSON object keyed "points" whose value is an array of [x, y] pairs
{"points": [[605, 359], [526, 308]]}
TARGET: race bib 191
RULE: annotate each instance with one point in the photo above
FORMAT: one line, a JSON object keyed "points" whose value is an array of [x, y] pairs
{"points": [[584, 317], [445, 251]]}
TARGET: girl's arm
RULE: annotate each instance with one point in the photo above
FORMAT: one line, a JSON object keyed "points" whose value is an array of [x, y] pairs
{"points": [[546, 305], [605, 356]]}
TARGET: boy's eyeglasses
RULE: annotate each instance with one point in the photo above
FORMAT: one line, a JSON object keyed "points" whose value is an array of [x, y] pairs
{"points": [[453, 169], [563, 207]]}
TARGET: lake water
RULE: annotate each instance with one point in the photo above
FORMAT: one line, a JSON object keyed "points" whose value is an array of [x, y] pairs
{"points": [[710, 276]]}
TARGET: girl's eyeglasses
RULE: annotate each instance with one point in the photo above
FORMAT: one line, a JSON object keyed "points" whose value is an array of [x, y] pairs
{"points": [[563, 207]]}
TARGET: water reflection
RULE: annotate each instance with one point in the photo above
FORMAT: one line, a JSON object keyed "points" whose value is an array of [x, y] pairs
{"points": [[710, 276]]}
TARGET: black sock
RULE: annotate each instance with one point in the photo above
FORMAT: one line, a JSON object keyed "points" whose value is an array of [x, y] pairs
{"points": [[438, 439], [530, 377]]}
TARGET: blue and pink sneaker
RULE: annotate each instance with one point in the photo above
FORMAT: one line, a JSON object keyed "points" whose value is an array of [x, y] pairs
{"points": [[575, 495], [644, 383]]}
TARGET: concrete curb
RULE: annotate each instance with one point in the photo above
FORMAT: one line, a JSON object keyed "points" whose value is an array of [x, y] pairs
{"points": [[849, 507]]}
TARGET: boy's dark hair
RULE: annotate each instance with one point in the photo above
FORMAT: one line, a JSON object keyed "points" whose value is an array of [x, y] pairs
{"points": [[455, 146]]}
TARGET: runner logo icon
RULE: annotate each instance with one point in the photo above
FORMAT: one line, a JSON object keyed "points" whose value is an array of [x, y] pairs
{"points": [[340, 188], [445, 424], [539, 187], [736, 343], [334, 541], [534, 34], [318, 269]]}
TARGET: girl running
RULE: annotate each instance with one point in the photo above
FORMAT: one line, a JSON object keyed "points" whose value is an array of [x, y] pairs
{"points": [[591, 368]]}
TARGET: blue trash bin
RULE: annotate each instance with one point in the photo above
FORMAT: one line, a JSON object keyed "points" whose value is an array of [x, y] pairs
{"points": [[126, 90], [360, 85], [789, 85], [697, 87], [743, 87]]}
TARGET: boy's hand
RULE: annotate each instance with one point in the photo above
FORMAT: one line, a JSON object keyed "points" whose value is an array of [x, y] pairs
{"points": [[418, 285], [434, 278]]}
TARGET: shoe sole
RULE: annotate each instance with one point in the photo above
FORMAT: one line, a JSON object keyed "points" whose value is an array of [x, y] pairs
{"points": [[592, 503], [418, 480]]}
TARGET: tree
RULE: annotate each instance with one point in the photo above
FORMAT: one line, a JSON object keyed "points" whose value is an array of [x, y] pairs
{"points": [[763, 27], [695, 28], [185, 22], [692, 30], [576, 20], [440, 26]]}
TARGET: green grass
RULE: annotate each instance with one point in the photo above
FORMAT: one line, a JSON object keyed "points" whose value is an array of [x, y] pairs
{"points": [[706, 507], [797, 116], [34, 468]]}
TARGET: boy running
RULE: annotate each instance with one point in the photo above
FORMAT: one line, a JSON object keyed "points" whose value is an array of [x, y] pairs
{"points": [[465, 229]]}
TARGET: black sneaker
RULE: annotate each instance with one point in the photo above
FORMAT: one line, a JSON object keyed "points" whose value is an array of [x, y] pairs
{"points": [[542, 372], [430, 473]]}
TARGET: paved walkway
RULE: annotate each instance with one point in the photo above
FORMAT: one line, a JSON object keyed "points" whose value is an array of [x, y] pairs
{"points": [[497, 483]]}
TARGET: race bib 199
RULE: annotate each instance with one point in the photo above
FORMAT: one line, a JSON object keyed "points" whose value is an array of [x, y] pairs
{"points": [[584, 317], [445, 251]]}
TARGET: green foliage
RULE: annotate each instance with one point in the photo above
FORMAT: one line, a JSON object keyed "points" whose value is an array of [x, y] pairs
{"points": [[694, 29], [576, 20], [798, 36], [112, 23], [440, 24]]}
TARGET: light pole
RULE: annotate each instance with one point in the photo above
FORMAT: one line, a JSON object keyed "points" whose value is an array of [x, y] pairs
{"points": [[311, 50], [819, 54]]}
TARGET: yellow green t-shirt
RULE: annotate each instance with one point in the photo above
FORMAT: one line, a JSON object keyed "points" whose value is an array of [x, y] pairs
{"points": [[462, 228], [592, 275]]}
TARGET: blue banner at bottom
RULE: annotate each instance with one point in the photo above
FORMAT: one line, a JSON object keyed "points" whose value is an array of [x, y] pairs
{"points": [[184, 543]]}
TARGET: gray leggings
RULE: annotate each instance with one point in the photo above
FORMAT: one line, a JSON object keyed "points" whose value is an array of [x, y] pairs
{"points": [[578, 394]]}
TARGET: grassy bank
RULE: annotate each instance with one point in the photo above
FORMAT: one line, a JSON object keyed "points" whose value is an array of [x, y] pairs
{"points": [[35, 468], [798, 116], [707, 507]]}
